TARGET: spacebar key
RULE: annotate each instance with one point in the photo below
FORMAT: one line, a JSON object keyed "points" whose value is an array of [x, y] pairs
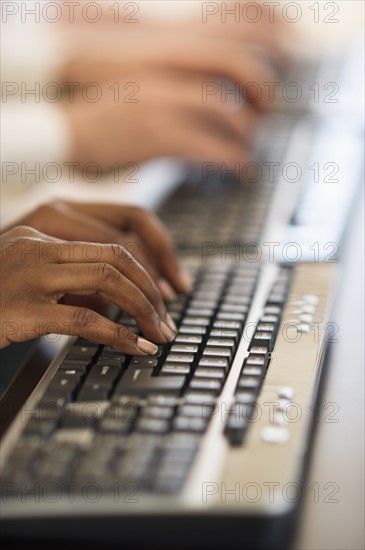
{"points": [[141, 382]]}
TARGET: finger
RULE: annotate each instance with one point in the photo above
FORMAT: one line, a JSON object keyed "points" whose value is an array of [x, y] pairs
{"points": [[220, 102], [68, 222], [232, 120], [225, 59], [153, 234], [118, 257], [96, 303], [88, 324], [196, 142], [264, 31], [102, 279], [218, 107], [166, 290], [260, 24]]}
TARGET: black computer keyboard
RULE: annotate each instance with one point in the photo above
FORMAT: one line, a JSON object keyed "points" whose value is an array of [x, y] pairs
{"points": [[106, 416]]}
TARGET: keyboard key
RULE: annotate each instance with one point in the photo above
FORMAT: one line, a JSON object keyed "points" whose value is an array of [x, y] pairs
{"points": [[230, 316], [83, 351], [63, 385], [199, 397], [200, 411], [188, 339], [245, 396], [238, 299], [79, 437], [275, 319], [208, 384], [272, 310], [203, 295], [157, 412], [235, 308], [177, 456], [181, 441], [112, 359], [262, 339], [195, 321], [192, 330], [153, 425], [238, 422], [180, 358], [217, 352], [103, 375], [73, 371], [278, 298], [266, 327], [175, 368], [83, 342], [189, 424], [79, 415], [50, 408], [143, 362], [81, 369], [140, 382], [227, 325], [203, 304], [225, 334], [180, 348], [254, 371], [200, 312], [254, 360], [206, 372], [258, 350], [162, 401], [79, 360], [94, 392], [110, 351], [210, 287], [219, 362], [123, 410], [120, 426], [221, 343], [248, 382]]}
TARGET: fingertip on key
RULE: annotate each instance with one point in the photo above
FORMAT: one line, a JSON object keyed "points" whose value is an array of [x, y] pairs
{"points": [[167, 292], [186, 281], [146, 347], [168, 334], [170, 323]]}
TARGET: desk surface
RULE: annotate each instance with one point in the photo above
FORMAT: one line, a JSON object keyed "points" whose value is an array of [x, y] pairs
{"points": [[336, 472]]}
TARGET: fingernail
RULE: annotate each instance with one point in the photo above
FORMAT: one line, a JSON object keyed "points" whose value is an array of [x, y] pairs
{"points": [[166, 290], [146, 347], [187, 281], [170, 323], [168, 333]]}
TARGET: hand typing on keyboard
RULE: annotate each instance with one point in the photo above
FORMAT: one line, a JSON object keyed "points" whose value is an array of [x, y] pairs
{"points": [[165, 81], [137, 229], [41, 276]]}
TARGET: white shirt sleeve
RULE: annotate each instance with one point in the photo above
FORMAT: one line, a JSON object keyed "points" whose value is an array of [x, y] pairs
{"points": [[33, 127], [32, 138]]}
